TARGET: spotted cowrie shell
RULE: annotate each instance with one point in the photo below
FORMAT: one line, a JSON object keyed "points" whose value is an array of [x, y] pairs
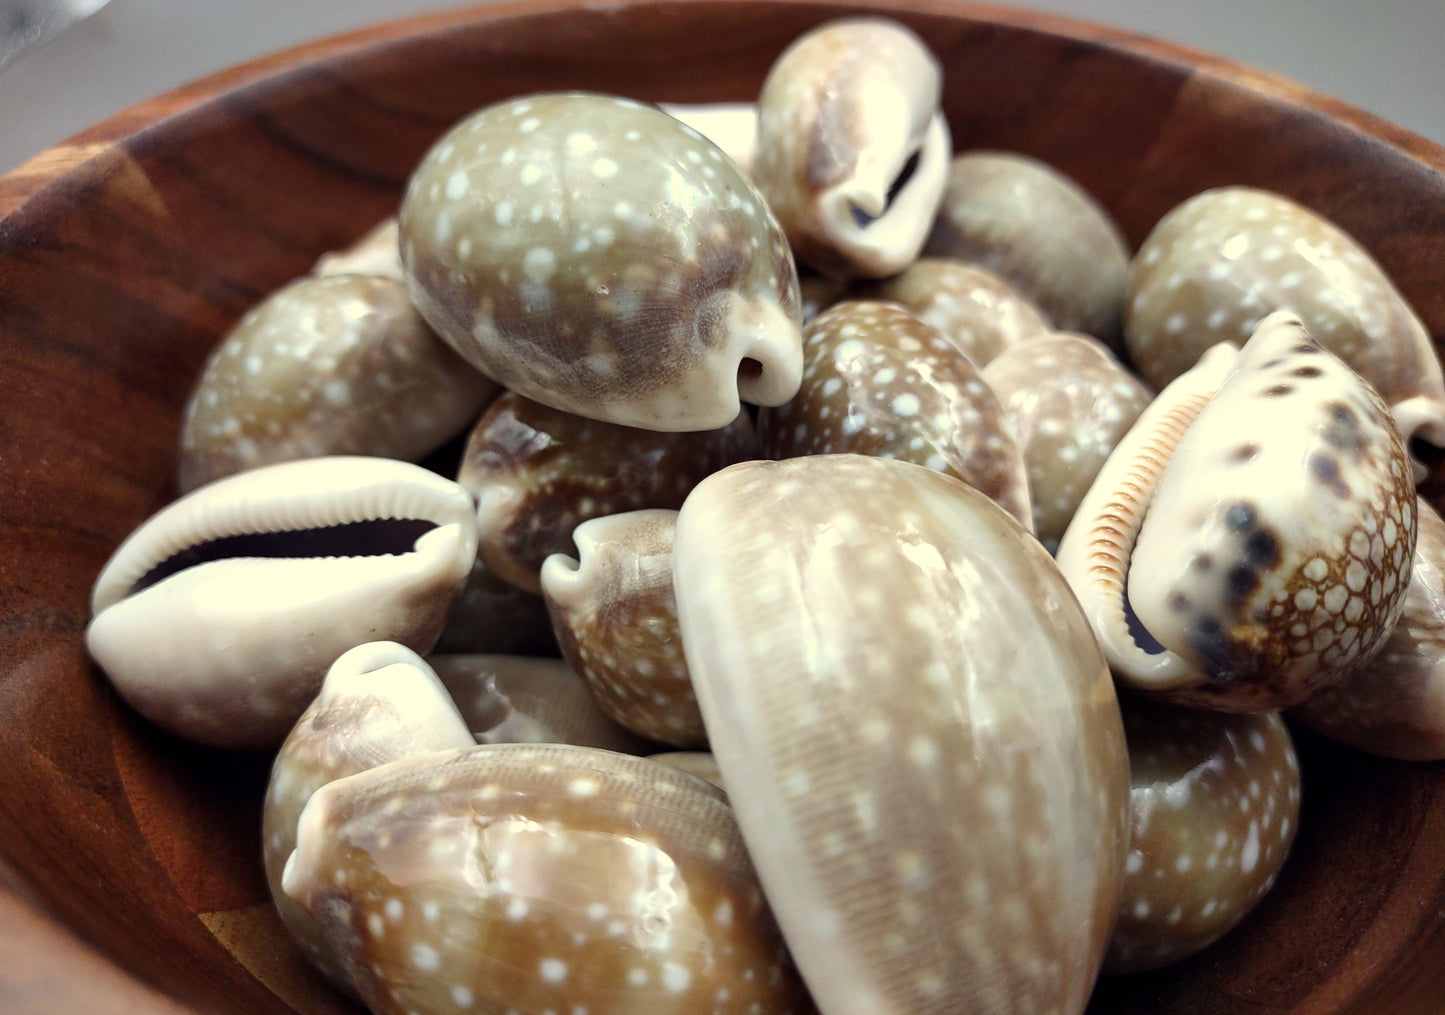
{"points": [[1217, 264], [540, 877], [615, 616], [603, 258], [906, 706], [1250, 539], [852, 148], [1068, 401], [379, 702], [1214, 802], [1046, 235], [376, 253], [972, 307], [1394, 704], [536, 472], [338, 365], [878, 381]]}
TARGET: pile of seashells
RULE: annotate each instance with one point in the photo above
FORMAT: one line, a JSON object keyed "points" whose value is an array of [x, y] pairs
{"points": [[923, 792]]}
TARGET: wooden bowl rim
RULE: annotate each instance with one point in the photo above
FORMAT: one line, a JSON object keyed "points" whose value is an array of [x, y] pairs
{"points": [[57, 958]]}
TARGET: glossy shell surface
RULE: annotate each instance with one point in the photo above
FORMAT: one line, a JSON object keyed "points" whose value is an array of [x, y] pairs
{"points": [[219, 617], [336, 365], [597, 255], [1214, 805], [379, 702], [1041, 231], [1067, 400], [879, 381], [852, 150], [907, 707], [540, 877], [1220, 262], [536, 472], [615, 615]]}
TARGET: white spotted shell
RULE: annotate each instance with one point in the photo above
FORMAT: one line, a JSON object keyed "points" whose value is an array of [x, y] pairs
{"points": [[601, 257], [907, 707]]}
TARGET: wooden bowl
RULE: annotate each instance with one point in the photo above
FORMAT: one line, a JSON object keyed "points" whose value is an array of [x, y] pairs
{"points": [[126, 252]]}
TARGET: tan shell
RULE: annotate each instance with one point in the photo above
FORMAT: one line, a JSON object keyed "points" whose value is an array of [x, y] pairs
{"points": [[379, 702], [1221, 261], [536, 472], [1041, 231], [219, 617], [974, 308], [531, 878], [616, 619], [699, 763], [521, 700], [1394, 704], [907, 707], [1214, 803], [852, 148], [879, 381], [338, 365], [1068, 402], [601, 257]]}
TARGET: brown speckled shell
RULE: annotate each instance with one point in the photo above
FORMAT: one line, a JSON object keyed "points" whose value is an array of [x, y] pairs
{"points": [[1042, 232], [531, 878], [1068, 401], [1218, 263], [879, 381], [1214, 804], [972, 307], [1394, 704], [616, 619], [599, 256], [336, 365], [536, 472]]}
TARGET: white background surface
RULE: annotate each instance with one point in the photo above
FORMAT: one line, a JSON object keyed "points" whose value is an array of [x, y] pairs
{"points": [[1382, 55]]}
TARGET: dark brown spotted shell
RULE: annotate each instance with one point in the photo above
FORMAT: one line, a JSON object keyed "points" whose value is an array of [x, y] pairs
{"points": [[1394, 704], [878, 381], [615, 616], [536, 472], [1214, 803]]}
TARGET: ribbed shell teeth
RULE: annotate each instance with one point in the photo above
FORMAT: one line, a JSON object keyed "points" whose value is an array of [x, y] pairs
{"points": [[1096, 549], [230, 650], [1277, 542]]}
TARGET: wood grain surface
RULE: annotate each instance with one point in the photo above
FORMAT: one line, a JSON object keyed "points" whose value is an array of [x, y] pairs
{"points": [[128, 251]]}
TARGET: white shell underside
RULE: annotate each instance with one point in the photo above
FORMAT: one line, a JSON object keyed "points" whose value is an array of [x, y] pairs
{"points": [[884, 233], [229, 651]]}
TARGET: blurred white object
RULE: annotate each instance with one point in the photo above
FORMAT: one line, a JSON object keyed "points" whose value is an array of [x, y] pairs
{"points": [[26, 24]]}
